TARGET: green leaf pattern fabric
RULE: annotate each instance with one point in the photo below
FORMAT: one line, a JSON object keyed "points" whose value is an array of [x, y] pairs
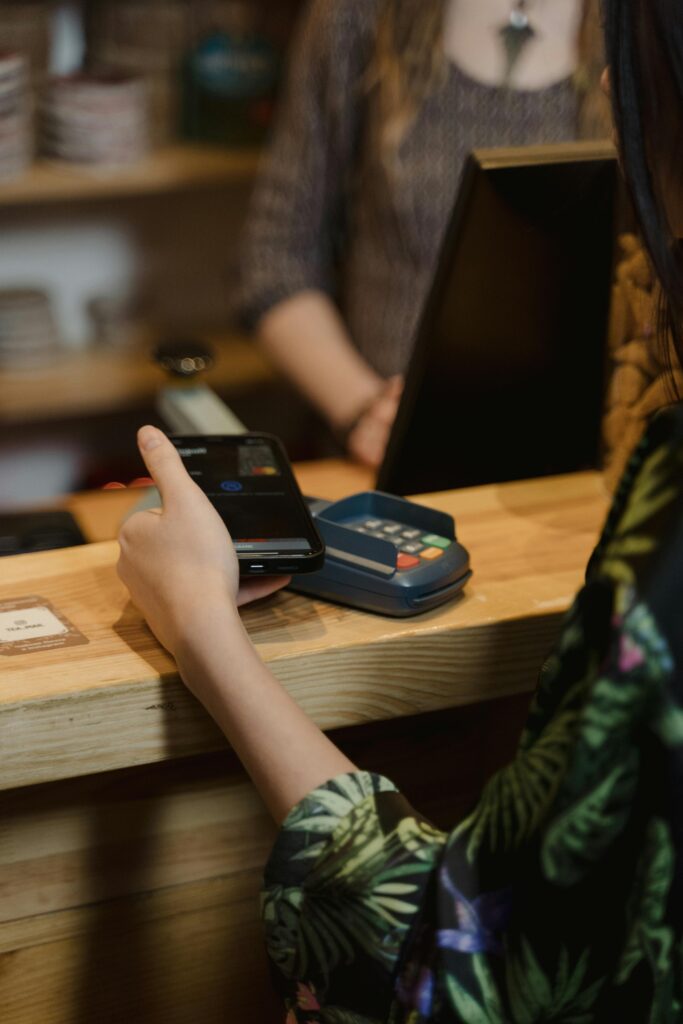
{"points": [[560, 897]]}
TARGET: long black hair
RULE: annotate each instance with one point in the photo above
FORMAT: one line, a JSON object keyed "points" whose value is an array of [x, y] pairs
{"points": [[644, 46]]}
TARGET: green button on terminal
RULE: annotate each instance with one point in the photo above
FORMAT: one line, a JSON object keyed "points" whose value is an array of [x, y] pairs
{"points": [[435, 541]]}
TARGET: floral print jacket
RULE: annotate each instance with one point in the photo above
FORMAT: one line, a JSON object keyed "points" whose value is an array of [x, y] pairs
{"points": [[560, 898]]}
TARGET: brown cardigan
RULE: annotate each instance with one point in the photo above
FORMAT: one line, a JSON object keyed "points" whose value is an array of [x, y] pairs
{"points": [[328, 213]]}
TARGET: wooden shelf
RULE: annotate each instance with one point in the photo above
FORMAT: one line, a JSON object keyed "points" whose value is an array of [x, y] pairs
{"points": [[106, 380], [175, 168]]}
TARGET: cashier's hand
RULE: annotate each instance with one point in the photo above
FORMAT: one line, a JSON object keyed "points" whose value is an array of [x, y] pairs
{"points": [[367, 441], [177, 560]]}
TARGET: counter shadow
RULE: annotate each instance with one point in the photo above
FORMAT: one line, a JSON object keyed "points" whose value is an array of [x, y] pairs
{"points": [[136, 634], [186, 728], [114, 971], [285, 618], [124, 971]]}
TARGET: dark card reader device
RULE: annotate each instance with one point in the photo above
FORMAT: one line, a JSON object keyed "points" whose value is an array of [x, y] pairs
{"points": [[385, 555]]}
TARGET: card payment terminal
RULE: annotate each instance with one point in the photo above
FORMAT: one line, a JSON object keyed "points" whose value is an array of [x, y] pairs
{"points": [[387, 555]]}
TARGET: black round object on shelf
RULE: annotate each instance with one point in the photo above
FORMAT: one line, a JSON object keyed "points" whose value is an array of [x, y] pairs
{"points": [[184, 357]]}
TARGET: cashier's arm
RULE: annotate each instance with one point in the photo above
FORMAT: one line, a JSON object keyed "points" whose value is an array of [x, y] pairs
{"points": [[306, 338], [182, 573]]}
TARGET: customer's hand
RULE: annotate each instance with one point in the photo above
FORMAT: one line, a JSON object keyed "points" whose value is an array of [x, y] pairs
{"points": [[368, 440], [179, 560]]}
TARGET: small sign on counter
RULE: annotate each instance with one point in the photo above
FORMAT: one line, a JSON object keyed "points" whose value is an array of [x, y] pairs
{"points": [[31, 624]]}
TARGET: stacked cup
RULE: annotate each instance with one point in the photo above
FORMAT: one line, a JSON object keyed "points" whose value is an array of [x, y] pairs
{"points": [[28, 335], [95, 120], [15, 115], [147, 39]]}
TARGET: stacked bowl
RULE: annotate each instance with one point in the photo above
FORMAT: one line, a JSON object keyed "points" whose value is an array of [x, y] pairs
{"points": [[15, 115], [28, 335], [95, 120]]}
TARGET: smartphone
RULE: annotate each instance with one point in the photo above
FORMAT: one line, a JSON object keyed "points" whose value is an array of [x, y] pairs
{"points": [[249, 481]]}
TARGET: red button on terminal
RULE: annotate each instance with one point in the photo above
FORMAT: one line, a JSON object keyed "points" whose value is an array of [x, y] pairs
{"points": [[406, 561]]}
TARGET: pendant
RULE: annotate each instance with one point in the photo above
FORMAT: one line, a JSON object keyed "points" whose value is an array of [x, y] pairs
{"points": [[516, 34]]}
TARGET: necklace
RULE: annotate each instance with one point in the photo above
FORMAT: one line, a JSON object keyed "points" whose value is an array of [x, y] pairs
{"points": [[516, 34]]}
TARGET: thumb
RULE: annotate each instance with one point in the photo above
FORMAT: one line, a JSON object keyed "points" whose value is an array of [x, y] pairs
{"points": [[163, 464]]}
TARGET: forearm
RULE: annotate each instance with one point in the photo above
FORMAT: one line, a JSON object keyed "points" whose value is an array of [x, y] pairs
{"points": [[307, 340], [283, 751]]}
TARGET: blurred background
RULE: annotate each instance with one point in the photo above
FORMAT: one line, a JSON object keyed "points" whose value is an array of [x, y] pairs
{"points": [[130, 134]]}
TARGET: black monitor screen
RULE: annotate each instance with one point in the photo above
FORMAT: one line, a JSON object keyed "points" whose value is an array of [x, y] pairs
{"points": [[507, 377]]}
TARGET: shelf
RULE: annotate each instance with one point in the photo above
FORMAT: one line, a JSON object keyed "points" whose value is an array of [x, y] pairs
{"points": [[175, 168], [100, 381]]}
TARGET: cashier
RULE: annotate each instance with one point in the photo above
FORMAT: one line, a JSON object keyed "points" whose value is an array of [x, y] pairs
{"points": [[560, 897], [384, 100]]}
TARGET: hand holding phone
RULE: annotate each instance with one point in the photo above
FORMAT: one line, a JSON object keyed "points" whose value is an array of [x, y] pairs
{"points": [[249, 481], [177, 562]]}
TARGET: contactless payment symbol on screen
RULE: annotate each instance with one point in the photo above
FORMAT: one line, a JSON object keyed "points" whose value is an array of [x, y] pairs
{"points": [[231, 486]]}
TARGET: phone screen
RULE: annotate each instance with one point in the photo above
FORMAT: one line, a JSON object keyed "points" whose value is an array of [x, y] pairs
{"points": [[249, 481]]}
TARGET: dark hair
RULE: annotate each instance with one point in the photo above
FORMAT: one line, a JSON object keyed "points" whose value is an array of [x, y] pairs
{"points": [[644, 47]]}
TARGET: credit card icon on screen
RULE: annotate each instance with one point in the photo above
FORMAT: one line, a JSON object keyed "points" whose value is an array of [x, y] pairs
{"points": [[256, 460]]}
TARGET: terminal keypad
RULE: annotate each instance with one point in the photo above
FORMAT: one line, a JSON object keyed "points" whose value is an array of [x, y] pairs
{"points": [[413, 547]]}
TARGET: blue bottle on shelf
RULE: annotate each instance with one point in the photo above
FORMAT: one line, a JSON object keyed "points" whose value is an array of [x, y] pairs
{"points": [[230, 76]]}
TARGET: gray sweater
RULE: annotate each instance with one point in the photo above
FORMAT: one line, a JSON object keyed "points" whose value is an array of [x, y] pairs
{"points": [[326, 213]]}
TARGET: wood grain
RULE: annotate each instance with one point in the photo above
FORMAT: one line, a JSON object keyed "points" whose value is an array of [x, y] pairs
{"points": [[133, 895], [118, 700], [150, 966]]}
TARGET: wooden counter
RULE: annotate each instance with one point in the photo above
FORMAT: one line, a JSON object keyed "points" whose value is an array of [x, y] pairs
{"points": [[117, 700], [132, 895]]}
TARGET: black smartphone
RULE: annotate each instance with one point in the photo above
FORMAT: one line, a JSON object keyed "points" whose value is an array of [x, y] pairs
{"points": [[249, 480]]}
